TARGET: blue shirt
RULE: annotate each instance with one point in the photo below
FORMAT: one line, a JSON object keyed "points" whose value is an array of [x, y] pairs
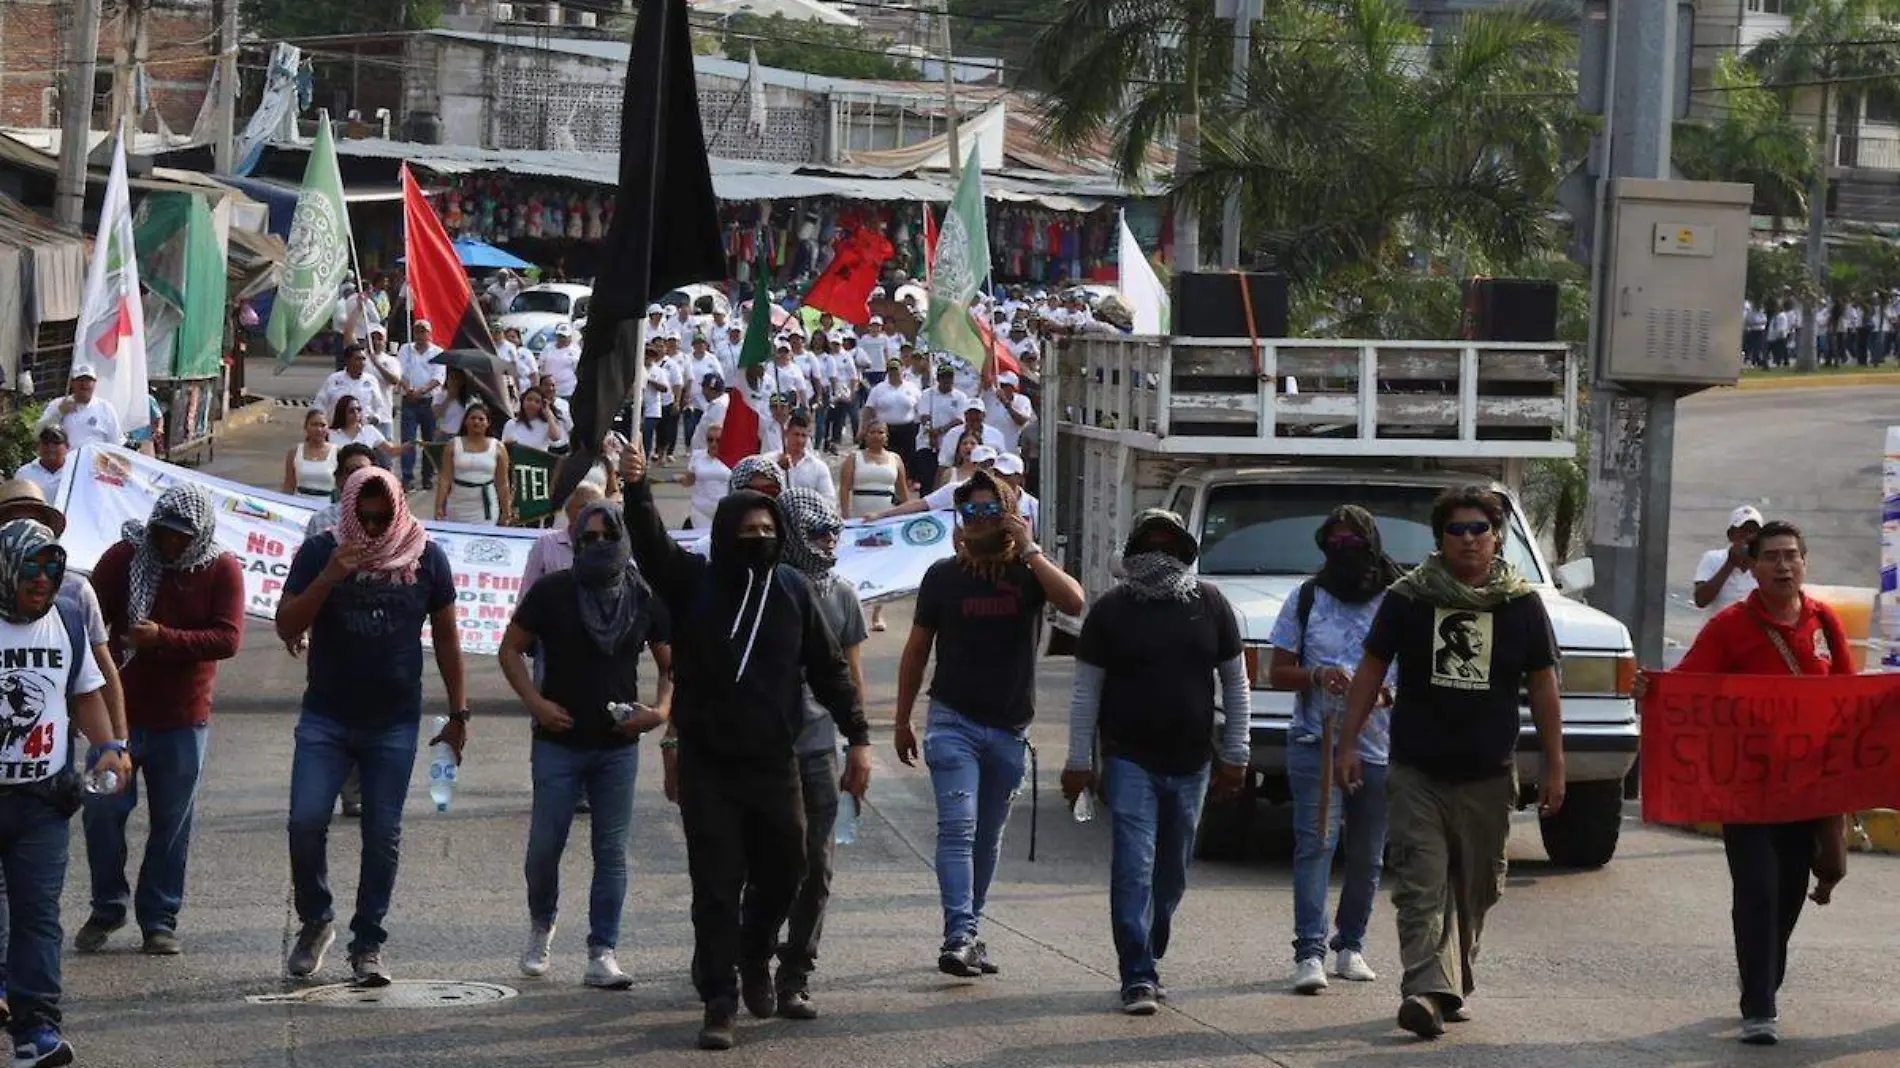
{"points": [[1335, 637], [366, 644]]}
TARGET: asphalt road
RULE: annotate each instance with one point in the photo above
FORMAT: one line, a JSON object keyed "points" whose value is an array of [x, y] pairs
{"points": [[1626, 966]]}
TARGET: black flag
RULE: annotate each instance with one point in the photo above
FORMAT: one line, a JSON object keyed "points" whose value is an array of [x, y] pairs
{"points": [[665, 232]]}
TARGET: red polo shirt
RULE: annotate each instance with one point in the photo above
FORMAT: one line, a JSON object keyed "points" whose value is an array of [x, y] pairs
{"points": [[1733, 642]]}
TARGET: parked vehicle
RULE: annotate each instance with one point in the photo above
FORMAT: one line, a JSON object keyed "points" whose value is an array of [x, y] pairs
{"points": [[546, 306]]}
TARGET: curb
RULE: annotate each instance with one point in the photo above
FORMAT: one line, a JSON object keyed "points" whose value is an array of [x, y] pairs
{"points": [[1819, 381], [1873, 831]]}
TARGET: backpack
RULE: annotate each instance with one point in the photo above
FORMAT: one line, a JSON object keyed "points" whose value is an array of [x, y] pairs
{"points": [[1304, 606]]}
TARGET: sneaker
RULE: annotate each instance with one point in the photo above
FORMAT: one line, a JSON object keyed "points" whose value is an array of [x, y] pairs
{"points": [[1756, 1031], [755, 989], [961, 958], [352, 810], [1352, 967], [1309, 975], [796, 1005], [366, 969], [983, 962], [716, 1031], [1420, 1015], [539, 956], [92, 937], [1140, 1000], [306, 957], [603, 971], [41, 1047], [161, 943], [1459, 1013]]}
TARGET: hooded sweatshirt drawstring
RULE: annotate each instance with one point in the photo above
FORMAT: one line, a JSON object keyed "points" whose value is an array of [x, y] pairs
{"points": [[765, 594]]}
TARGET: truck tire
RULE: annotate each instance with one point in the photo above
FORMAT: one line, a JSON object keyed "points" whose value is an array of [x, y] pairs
{"points": [[1224, 829], [1583, 833]]}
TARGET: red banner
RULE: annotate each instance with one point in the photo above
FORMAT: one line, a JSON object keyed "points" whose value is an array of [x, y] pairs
{"points": [[1769, 748], [846, 285]]}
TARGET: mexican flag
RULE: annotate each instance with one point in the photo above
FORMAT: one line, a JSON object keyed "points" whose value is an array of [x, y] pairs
{"points": [[961, 263], [318, 256], [111, 338]]}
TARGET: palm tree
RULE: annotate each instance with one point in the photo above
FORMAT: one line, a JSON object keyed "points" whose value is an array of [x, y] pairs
{"points": [[1830, 46], [1361, 141], [1135, 71], [1753, 141]]}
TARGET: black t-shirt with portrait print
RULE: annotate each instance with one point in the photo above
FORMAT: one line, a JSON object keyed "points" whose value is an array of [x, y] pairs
{"points": [[986, 641], [1461, 672]]}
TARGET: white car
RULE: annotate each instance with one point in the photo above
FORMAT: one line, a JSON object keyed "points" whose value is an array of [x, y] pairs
{"points": [[547, 305]]}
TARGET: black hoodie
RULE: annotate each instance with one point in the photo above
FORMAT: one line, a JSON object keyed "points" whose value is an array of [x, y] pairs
{"points": [[742, 640]]}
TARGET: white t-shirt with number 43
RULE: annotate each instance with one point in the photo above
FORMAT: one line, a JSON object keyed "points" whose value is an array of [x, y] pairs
{"points": [[35, 711]]}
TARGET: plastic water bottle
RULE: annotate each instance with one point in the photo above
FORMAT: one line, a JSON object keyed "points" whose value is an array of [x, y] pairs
{"points": [[1084, 809], [845, 828], [441, 769], [102, 781]]}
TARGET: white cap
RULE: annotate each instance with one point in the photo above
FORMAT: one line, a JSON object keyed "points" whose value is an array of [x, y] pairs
{"points": [[422, 324], [877, 320], [983, 454], [1009, 464], [83, 370], [1006, 379], [564, 330], [1742, 516], [377, 328], [974, 406], [655, 309]]}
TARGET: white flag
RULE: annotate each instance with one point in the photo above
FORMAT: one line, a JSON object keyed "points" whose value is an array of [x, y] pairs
{"points": [[111, 339], [1140, 287], [755, 91]]}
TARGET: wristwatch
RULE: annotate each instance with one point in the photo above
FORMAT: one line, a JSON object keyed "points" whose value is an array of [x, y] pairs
{"points": [[113, 746], [459, 716]]}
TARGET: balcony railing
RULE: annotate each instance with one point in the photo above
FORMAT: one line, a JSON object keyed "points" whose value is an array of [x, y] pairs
{"points": [[1871, 153]]}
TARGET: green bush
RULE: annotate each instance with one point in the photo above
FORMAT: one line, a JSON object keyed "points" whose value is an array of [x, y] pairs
{"points": [[19, 441]]}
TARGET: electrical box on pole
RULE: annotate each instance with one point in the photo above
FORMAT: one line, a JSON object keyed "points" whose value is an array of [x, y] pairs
{"points": [[1678, 260]]}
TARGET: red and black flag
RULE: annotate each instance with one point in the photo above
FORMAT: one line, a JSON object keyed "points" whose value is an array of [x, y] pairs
{"points": [[845, 287], [439, 292], [665, 232]]}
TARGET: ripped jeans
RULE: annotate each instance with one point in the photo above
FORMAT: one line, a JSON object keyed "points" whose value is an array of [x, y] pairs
{"points": [[975, 771]]}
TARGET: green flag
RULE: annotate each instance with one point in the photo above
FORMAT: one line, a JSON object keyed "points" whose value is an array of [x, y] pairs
{"points": [[183, 270], [757, 350], [318, 256], [963, 261]]}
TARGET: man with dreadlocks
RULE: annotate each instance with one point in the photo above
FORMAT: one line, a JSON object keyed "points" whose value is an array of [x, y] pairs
{"points": [[980, 611], [56, 684], [1144, 677], [174, 606]]}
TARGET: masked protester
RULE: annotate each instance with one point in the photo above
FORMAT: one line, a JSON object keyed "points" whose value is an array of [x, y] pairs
{"points": [[1318, 641], [590, 622], [39, 781], [363, 593], [1469, 635], [746, 631], [812, 529], [759, 474], [1144, 678], [980, 611], [174, 603]]}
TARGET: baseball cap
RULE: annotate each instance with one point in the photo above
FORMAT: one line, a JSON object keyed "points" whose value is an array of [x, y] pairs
{"points": [[1009, 464], [877, 320], [944, 370], [173, 521], [974, 405], [53, 435], [84, 370], [893, 362], [1006, 379], [564, 330], [655, 309], [983, 454], [1743, 516], [713, 382]]}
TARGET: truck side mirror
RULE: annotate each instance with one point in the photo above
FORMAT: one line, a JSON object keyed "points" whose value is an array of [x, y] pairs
{"points": [[1577, 576]]}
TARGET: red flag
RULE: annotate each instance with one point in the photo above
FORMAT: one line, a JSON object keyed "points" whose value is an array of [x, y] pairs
{"points": [[439, 289], [930, 241], [739, 434], [846, 285], [997, 357]]}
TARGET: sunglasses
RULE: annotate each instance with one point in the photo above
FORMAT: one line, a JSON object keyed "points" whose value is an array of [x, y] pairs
{"points": [[1473, 529], [980, 509], [33, 569], [824, 529], [1348, 541], [594, 537], [375, 520]]}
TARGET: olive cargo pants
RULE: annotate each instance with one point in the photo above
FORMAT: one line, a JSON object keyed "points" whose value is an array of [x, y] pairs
{"points": [[1446, 869]]}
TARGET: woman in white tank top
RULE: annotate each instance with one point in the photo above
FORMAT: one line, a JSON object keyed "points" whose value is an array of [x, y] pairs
{"points": [[477, 489], [310, 466], [871, 480]]}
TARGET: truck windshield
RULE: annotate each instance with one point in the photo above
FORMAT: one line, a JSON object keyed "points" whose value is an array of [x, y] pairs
{"points": [[1267, 528]]}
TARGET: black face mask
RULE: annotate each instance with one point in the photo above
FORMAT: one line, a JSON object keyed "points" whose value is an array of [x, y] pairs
{"points": [[756, 553], [599, 563]]}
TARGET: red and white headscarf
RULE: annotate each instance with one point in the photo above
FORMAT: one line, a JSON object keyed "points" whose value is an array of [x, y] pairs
{"points": [[392, 556]]}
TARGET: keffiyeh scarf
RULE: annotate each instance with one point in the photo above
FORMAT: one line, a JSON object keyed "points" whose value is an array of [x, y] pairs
{"points": [[183, 502], [393, 556]]}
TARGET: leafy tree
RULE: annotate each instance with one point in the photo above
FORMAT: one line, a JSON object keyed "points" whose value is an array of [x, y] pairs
{"points": [[1831, 46], [271, 19], [1776, 272], [1003, 28], [813, 47], [1752, 141]]}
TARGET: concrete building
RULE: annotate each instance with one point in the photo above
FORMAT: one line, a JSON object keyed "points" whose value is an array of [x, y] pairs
{"points": [[173, 38]]}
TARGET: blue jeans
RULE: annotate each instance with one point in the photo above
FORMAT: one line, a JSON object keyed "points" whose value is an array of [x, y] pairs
{"points": [[33, 851], [385, 756], [1154, 816], [1363, 812], [562, 776], [169, 762], [418, 417], [975, 771], [649, 433], [689, 419]]}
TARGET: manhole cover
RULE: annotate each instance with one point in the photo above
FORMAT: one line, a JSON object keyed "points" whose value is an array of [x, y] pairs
{"points": [[402, 994]]}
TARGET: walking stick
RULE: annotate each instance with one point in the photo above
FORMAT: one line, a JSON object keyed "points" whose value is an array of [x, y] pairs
{"points": [[1325, 776]]}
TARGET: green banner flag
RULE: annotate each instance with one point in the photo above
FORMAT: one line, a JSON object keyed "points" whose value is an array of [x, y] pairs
{"points": [[183, 270], [530, 479], [318, 255], [963, 261], [757, 349]]}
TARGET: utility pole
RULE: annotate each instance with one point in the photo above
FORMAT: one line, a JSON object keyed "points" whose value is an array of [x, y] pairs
{"points": [[1632, 444], [949, 94], [1247, 13], [128, 58], [75, 105], [224, 149]]}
